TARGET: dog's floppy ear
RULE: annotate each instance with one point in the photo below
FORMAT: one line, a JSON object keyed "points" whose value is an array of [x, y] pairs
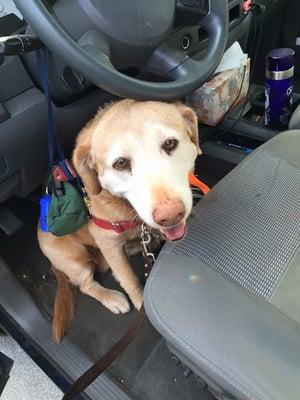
{"points": [[83, 162], [191, 121]]}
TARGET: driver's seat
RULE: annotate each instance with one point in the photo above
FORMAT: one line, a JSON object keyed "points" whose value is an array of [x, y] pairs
{"points": [[227, 297]]}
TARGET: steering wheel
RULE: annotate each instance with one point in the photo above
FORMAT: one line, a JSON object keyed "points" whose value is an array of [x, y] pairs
{"points": [[96, 37]]}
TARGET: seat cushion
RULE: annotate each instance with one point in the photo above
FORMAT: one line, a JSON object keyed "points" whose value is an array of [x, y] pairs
{"points": [[227, 297]]}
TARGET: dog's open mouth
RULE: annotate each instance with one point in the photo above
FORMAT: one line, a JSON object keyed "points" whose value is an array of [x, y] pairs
{"points": [[175, 232]]}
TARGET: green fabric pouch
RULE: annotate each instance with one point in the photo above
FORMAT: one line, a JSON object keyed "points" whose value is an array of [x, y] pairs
{"points": [[67, 212]]}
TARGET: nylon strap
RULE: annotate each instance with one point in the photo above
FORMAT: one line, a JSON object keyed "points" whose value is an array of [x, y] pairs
{"points": [[53, 140]]}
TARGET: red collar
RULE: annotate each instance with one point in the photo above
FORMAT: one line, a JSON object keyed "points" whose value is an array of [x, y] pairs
{"points": [[118, 227]]}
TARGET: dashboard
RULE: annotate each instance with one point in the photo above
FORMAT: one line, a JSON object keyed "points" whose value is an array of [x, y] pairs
{"points": [[8, 7]]}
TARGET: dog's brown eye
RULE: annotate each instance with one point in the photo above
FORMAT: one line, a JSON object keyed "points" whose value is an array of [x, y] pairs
{"points": [[170, 145], [122, 164]]}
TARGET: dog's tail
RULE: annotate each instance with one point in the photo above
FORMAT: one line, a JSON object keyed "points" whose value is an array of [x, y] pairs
{"points": [[64, 305]]}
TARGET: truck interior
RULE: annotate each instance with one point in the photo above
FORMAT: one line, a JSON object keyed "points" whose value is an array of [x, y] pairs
{"points": [[228, 325]]}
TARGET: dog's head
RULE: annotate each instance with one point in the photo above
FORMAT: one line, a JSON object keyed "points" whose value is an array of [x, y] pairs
{"points": [[143, 152]]}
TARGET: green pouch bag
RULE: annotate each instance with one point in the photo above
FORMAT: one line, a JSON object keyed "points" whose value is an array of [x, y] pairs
{"points": [[67, 212]]}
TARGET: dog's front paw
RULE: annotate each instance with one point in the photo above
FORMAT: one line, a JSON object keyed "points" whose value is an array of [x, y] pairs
{"points": [[116, 302], [137, 298]]}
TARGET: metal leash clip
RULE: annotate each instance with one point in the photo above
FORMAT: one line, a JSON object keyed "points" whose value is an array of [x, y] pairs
{"points": [[86, 199], [149, 257]]}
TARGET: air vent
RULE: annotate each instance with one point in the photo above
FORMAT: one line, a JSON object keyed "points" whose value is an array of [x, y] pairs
{"points": [[234, 13], [202, 35]]}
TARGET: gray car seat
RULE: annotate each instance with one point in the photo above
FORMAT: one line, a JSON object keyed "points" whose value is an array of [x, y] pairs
{"points": [[227, 297], [295, 119]]}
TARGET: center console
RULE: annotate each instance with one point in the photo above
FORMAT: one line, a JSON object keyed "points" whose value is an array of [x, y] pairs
{"points": [[243, 129]]}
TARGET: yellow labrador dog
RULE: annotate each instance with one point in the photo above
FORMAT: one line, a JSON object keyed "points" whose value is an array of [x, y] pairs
{"points": [[134, 159]]}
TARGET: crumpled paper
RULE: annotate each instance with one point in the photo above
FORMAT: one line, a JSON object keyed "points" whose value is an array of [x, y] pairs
{"points": [[234, 57]]}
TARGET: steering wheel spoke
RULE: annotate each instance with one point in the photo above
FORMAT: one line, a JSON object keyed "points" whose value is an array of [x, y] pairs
{"points": [[172, 64], [165, 60], [96, 46], [200, 7]]}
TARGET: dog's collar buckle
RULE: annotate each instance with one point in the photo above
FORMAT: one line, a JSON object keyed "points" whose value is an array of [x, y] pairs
{"points": [[118, 226]]}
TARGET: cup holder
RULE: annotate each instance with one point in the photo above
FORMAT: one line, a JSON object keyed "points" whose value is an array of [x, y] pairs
{"points": [[260, 98]]}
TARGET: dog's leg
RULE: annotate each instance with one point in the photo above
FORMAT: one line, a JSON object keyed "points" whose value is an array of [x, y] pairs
{"points": [[81, 273], [123, 273], [78, 264], [102, 263], [115, 301], [99, 259]]}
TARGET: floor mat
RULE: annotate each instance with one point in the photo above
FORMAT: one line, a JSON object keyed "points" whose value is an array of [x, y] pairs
{"points": [[178, 384]]}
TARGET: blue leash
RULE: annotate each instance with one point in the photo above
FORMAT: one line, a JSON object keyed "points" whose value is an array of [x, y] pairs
{"points": [[42, 56], [53, 140]]}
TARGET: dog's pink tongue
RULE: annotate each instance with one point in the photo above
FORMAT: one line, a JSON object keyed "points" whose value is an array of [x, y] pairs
{"points": [[175, 233]]}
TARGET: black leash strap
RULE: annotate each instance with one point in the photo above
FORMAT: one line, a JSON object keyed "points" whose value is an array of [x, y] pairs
{"points": [[112, 354], [105, 361]]}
